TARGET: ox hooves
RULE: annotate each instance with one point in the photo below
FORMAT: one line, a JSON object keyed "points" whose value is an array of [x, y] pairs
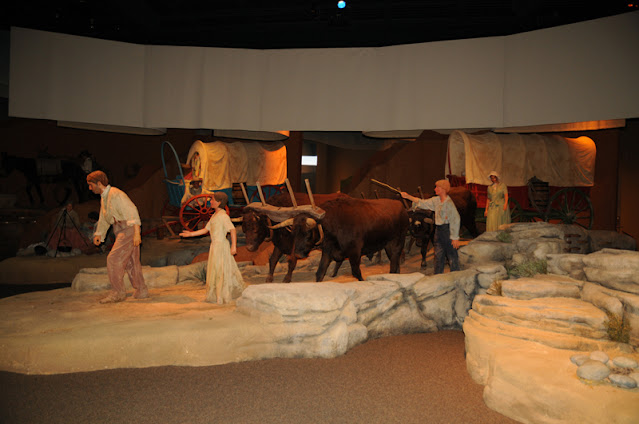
{"points": [[423, 265], [269, 279]]}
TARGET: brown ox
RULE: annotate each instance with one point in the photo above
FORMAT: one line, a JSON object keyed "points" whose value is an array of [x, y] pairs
{"points": [[352, 228], [466, 205], [255, 226]]}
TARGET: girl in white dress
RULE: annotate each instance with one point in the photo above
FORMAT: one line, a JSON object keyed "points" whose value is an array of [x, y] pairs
{"points": [[224, 281]]}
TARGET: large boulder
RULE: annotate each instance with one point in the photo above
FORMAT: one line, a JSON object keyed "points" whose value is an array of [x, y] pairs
{"points": [[538, 248], [542, 285], [615, 269], [480, 251], [304, 319], [446, 298], [556, 315], [515, 243], [534, 230], [386, 305], [570, 264]]}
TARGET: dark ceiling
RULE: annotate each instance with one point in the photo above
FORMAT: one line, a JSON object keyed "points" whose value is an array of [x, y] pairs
{"points": [[268, 24]]}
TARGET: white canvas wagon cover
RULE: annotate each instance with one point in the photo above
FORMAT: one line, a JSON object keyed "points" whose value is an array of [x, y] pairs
{"points": [[220, 164], [560, 161]]}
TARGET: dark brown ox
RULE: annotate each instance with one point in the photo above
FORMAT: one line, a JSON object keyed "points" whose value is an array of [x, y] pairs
{"points": [[255, 226], [466, 205], [422, 222], [352, 228]]}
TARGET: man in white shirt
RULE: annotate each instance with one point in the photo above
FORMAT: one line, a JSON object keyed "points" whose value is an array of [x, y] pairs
{"points": [[447, 222], [118, 210]]}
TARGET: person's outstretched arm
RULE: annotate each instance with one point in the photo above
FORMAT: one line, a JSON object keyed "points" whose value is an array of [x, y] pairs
{"points": [[194, 233]]}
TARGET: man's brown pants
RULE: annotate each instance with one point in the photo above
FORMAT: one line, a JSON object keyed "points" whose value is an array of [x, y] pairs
{"points": [[124, 256]]}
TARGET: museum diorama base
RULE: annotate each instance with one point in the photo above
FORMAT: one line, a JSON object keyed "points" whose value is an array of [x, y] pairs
{"points": [[63, 330], [519, 342]]}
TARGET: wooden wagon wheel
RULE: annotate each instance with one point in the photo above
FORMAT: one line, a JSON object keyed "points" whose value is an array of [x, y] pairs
{"points": [[570, 206], [196, 210]]}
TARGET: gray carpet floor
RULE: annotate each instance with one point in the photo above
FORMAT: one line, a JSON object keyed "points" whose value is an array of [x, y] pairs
{"points": [[417, 378]]}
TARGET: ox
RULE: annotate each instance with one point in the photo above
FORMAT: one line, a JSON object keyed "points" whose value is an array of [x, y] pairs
{"points": [[422, 229], [257, 228], [352, 228], [422, 222], [466, 205]]}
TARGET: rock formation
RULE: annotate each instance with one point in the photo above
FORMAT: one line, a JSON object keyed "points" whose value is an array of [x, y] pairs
{"points": [[524, 336]]}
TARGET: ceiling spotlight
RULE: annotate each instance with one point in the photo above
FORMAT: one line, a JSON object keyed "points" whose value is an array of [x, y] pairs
{"points": [[341, 4]]}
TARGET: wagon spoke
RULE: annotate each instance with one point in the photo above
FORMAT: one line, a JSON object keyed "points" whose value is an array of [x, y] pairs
{"points": [[581, 207], [192, 223], [197, 206], [190, 220], [190, 215], [577, 203], [566, 206], [584, 221]]}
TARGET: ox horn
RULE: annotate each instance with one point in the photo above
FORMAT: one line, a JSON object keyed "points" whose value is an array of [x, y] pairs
{"points": [[311, 223], [428, 220], [270, 230], [321, 233], [239, 219], [282, 224]]}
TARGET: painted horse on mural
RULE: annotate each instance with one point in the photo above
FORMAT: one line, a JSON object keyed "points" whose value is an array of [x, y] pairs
{"points": [[66, 173]]}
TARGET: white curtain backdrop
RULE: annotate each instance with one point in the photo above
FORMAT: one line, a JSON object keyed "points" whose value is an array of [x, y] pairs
{"points": [[67, 78], [578, 72]]}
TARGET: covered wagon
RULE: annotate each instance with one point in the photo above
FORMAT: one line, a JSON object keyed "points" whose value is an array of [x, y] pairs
{"points": [[548, 176], [236, 168]]}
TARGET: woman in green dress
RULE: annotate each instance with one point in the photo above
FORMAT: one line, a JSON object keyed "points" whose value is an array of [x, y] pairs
{"points": [[497, 211]]}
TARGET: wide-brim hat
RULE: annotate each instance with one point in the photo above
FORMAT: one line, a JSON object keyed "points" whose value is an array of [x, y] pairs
{"points": [[493, 173]]}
